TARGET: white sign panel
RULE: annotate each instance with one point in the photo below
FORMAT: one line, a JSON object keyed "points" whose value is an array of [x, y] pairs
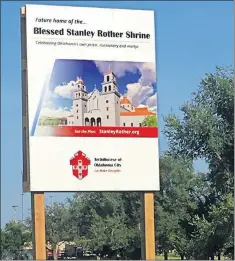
{"points": [[90, 100]]}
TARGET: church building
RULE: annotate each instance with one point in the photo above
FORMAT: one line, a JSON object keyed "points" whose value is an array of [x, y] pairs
{"points": [[105, 108]]}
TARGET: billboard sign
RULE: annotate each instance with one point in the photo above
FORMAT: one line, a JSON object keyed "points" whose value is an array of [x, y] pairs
{"points": [[89, 99]]}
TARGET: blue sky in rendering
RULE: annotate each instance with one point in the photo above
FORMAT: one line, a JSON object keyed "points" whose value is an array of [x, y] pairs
{"points": [[57, 100], [191, 39], [65, 71]]}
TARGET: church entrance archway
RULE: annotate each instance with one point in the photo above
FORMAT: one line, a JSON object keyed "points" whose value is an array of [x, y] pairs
{"points": [[87, 123], [99, 121], [92, 122]]}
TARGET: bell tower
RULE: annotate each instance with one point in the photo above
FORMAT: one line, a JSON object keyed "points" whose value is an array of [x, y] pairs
{"points": [[109, 84], [80, 97], [111, 98]]}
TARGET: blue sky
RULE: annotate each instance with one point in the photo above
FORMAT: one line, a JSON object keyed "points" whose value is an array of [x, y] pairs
{"points": [[192, 38]]}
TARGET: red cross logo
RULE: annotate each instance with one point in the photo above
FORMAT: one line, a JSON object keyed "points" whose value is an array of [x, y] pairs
{"points": [[80, 165]]}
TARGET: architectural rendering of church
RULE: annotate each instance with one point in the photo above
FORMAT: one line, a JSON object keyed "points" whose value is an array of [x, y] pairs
{"points": [[105, 108]]}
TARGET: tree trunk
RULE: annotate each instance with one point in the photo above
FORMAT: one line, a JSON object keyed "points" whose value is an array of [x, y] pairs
{"points": [[54, 254], [219, 256], [165, 255], [182, 257]]}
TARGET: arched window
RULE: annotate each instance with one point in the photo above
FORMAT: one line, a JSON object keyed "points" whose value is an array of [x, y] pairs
{"points": [[105, 89], [107, 78], [110, 88]]}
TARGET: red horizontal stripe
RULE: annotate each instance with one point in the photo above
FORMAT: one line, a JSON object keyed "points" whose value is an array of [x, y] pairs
{"points": [[86, 131]]}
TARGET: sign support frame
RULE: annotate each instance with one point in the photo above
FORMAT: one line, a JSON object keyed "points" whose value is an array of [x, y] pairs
{"points": [[148, 246], [37, 198], [38, 225]]}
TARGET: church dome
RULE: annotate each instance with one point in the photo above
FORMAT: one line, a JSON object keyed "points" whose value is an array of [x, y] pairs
{"points": [[125, 100]]}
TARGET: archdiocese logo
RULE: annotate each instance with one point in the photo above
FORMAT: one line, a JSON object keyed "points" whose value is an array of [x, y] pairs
{"points": [[80, 165]]}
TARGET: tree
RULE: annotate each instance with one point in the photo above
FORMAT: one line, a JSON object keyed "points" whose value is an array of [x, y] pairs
{"points": [[206, 131], [150, 121], [207, 128], [212, 233], [105, 221], [13, 238], [174, 204], [57, 225], [110, 232], [83, 205]]}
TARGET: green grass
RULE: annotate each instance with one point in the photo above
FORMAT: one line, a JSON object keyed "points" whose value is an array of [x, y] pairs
{"points": [[170, 257], [175, 257], [48, 121]]}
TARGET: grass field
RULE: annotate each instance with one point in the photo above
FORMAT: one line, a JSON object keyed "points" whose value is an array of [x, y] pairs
{"points": [[170, 257], [175, 257], [46, 121]]}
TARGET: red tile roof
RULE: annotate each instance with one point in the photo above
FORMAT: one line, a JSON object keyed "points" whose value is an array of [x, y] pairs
{"points": [[138, 112]]}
